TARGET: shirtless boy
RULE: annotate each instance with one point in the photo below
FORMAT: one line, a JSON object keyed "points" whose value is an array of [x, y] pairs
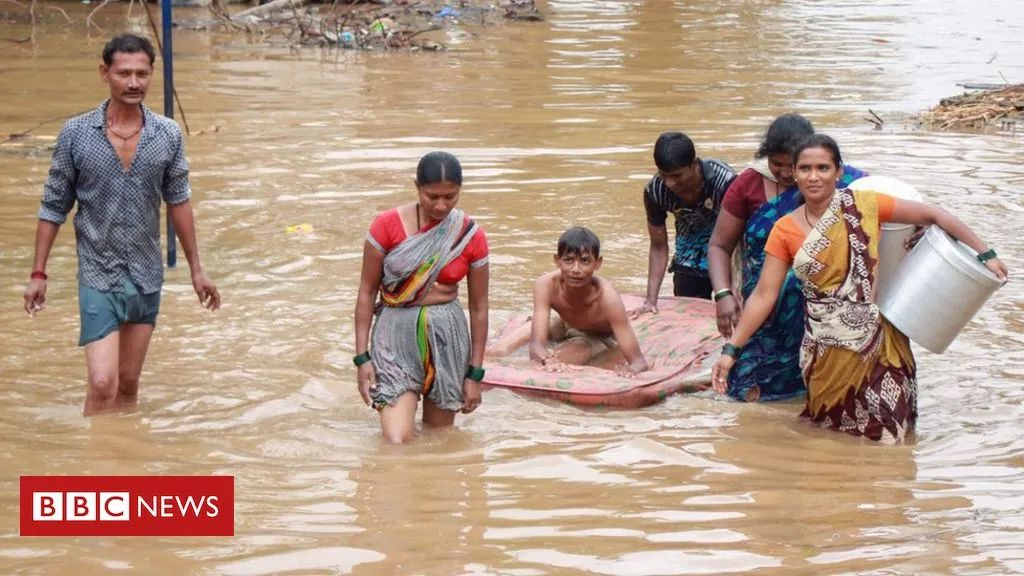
{"points": [[590, 319]]}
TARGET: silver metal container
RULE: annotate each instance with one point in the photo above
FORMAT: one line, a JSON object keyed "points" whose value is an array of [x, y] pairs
{"points": [[936, 290], [890, 242]]}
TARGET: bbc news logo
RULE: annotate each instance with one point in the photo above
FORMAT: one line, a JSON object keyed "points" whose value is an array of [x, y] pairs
{"points": [[127, 505], [117, 506]]}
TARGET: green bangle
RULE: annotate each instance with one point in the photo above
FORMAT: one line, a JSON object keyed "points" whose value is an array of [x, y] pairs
{"points": [[731, 350], [719, 294], [360, 359], [986, 255], [475, 373]]}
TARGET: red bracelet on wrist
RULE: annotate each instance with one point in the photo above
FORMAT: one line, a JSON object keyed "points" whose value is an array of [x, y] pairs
{"points": [[38, 275]]}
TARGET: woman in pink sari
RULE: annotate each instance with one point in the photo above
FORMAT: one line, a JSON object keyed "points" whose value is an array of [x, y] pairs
{"points": [[414, 257]]}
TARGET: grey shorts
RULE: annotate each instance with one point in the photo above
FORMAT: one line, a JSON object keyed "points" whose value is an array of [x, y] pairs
{"points": [[103, 312], [562, 333]]}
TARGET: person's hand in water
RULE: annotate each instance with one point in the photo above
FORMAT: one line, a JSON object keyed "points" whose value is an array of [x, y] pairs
{"points": [[720, 373]]}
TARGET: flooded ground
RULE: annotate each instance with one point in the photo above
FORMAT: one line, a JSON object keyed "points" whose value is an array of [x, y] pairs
{"points": [[554, 122]]}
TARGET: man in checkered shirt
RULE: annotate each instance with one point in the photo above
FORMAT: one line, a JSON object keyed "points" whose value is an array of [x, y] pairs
{"points": [[117, 163]]}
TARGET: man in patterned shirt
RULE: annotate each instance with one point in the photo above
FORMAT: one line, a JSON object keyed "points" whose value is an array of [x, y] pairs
{"points": [[692, 190], [117, 163]]}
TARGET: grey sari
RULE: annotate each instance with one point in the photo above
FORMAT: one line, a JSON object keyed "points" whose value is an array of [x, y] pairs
{"points": [[422, 349]]}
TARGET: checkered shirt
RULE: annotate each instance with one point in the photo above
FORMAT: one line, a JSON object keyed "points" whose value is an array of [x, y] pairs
{"points": [[117, 224]]}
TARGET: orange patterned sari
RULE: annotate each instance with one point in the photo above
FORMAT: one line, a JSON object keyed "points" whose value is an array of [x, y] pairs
{"points": [[859, 370]]}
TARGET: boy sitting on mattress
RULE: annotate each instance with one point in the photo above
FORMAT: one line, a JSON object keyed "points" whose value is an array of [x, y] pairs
{"points": [[580, 311]]}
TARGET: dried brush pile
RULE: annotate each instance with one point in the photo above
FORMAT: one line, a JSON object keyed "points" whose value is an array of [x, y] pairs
{"points": [[1002, 108]]}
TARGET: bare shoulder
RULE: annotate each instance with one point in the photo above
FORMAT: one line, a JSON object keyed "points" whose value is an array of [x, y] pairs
{"points": [[608, 291], [547, 281], [407, 216], [609, 296]]}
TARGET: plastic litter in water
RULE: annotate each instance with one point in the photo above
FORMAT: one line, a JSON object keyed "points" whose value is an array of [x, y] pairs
{"points": [[446, 12], [303, 228]]}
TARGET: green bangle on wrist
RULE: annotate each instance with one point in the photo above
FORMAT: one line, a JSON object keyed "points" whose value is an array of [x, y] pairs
{"points": [[360, 359], [731, 350], [719, 294], [475, 373], [987, 255]]}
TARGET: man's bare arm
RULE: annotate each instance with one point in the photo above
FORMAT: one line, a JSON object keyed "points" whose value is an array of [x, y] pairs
{"points": [[657, 263]]}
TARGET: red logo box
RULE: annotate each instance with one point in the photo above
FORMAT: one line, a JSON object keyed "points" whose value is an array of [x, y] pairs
{"points": [[127, 505]]}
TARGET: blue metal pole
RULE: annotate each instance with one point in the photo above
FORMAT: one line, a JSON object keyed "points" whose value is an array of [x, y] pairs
{"points": [[165, 20]]}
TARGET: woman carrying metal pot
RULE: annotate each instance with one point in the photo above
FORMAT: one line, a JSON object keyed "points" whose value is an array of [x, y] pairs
{"points": [[858, 369]]}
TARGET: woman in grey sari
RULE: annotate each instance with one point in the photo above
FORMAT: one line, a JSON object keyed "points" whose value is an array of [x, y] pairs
{"points": [[414, 257]]}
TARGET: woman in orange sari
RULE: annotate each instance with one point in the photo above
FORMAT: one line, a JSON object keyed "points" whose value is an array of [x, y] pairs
{"points": [[859, 370]]}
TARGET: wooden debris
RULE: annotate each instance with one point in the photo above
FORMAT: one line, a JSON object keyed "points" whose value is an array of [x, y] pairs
{"points": [[875, 119], [999, 107]]}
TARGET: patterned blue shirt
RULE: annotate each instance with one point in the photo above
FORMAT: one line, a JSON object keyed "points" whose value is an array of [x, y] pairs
{"points": [[693, 224], [117, 224]]}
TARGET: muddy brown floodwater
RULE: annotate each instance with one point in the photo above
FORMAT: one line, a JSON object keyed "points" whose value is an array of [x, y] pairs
{"points": [[554, 122]]}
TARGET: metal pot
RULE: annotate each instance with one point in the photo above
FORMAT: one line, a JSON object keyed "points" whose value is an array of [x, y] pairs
{"points": [[890, 242], [936, 290]]}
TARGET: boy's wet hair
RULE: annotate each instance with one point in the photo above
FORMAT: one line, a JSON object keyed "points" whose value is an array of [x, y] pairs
{"points": [[437, 167], [129, 44], [578, 241], [673, 150]]}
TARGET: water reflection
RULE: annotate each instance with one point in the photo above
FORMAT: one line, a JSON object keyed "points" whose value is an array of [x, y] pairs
{"points": [[423, 512]]}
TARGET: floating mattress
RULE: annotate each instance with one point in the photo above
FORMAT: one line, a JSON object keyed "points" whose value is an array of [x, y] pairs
{"points": [[680, 344]]}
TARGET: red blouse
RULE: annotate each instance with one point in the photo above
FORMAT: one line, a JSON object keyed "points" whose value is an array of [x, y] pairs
{"points": [[387, 231], [745, 195]]}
